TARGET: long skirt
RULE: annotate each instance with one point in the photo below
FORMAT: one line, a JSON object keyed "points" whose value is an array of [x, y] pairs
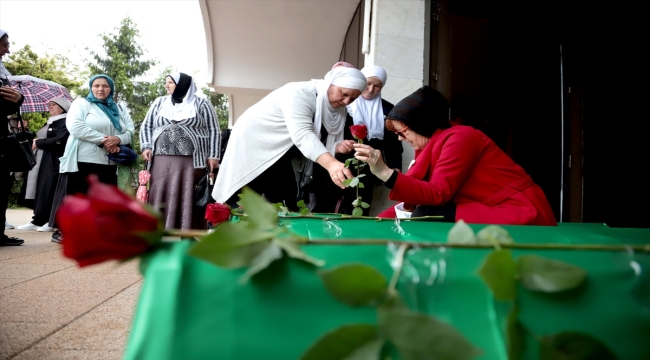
{"points": [[171, 191]]}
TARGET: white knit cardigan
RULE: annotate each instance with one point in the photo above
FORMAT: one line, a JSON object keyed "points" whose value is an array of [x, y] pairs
{"points": [[265, 132]]}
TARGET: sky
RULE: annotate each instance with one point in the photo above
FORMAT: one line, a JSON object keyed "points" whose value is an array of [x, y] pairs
{"points": [[171, 31]]}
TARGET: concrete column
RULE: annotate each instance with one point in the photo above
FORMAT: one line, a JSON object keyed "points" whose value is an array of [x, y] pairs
{"points": [[398, 45]]}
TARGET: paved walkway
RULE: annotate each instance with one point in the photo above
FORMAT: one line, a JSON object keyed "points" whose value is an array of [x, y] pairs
{"points": [[51, 309]]}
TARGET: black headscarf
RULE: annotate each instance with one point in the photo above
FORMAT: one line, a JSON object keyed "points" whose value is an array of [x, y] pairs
{"points": [[182, 86], [424, 111]]}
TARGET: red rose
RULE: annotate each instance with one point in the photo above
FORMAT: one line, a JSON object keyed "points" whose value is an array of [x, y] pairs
{"points": [[217, 213], [104, 225], [359, 131]]}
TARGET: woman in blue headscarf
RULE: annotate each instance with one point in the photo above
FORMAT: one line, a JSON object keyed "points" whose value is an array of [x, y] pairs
{"points": [[97, 127]]}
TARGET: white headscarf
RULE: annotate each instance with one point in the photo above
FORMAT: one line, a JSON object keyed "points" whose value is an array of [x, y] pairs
{"points": [[4, 73], [183, 110], [334, 119], [370, 112]]}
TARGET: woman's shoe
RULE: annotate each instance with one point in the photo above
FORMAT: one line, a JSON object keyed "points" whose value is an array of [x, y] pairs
{"points": [[10, 241], [45, 228], [29, 226], [57, 237], [9, 226]]}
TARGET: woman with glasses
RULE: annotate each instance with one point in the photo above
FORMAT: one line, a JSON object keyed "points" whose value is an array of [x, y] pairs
{"points": [[458, 172]]}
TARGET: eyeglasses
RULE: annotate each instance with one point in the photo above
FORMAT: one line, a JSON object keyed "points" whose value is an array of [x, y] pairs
{"points": [[401, 132]]}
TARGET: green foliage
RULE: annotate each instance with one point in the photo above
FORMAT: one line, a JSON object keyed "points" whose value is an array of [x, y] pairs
{"points": [[548, 275], [255, 242], [56, 68], [498, 272], [121, 61], [220, 103], [348, 342], [418, 336], [515, 335], [355, 284], [574, 346]]}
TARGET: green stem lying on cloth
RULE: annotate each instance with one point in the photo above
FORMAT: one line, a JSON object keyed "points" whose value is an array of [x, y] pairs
{"points": [[348, 217], [416, 244]]}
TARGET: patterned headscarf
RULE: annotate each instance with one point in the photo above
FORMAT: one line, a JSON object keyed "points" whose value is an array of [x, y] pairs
{"points": [[424, 111], [108, 106]]}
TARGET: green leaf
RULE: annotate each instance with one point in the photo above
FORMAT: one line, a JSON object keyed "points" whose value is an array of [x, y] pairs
{"points": [[494, 233], [348, 342], [418, 336], [360, 185], [356, 202], [354, 182], [542, 274], [347, 182], [498, 272], [261, 213], [360, 176], [357, 211], [293, 250], [574, 346], [260, 262], [304, 211], [301, 203], [355, 284], [516, 335], [365, 205], [232, 245], [461, 233], [347, 162]]}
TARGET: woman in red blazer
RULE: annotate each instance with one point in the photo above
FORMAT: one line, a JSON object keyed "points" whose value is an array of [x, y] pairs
{"points": [[458, 172]]}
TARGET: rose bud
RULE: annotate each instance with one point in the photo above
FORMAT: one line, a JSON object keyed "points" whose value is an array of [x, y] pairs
{"points": [[359, 131], [217, 213], [105, 224]]}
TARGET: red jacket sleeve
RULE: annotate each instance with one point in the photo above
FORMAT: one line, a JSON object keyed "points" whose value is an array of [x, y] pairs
{"points": [[453, 157]]}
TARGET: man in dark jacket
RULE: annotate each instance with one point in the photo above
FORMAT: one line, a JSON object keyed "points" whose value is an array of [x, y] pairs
{"points": [[10, 101]]}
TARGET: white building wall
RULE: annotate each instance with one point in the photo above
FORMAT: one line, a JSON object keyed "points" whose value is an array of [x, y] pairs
{"points": [[398, 45]]}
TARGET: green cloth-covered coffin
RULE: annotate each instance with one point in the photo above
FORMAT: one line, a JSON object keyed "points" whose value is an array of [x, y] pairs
{"points": [[191, 309]]}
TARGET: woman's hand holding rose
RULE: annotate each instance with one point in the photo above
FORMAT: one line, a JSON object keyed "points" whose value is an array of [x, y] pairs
{"points": [[374, 159]]}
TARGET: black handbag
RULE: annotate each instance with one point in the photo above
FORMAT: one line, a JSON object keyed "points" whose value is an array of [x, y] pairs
{"points": [[19, 156], [125, 157], [313, 176], [203, 190]]}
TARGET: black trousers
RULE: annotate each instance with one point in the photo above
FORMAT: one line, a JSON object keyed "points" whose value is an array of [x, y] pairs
{"points": [[447, 210], [78, 181], [277, 183], [6, 181]]}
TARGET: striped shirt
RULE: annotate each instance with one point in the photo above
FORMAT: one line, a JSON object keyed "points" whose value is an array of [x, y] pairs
{"points": [[203, 130]]}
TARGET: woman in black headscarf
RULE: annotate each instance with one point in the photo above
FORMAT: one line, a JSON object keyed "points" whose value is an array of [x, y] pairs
{"points": [[180, 137]]}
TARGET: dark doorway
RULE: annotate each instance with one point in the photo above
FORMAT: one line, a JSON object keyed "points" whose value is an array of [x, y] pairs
{"points": [[531, 78]]}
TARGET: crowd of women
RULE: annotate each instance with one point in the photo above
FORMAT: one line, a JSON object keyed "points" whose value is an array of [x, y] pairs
{"points": [[301, 129]]}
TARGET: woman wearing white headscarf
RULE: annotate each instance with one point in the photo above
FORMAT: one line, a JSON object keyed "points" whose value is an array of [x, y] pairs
{"points": [[41, 181], [370, 109], [287, 124], [180, 136]]}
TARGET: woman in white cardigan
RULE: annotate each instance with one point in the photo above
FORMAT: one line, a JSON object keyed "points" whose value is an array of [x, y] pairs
{"points": [[279, 128], [97, 126]]}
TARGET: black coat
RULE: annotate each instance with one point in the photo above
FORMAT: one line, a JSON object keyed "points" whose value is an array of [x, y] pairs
{"points": [[52, 147]]}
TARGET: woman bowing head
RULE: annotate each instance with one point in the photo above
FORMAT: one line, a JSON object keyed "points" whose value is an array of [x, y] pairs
{"points": [[297, 121]]}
